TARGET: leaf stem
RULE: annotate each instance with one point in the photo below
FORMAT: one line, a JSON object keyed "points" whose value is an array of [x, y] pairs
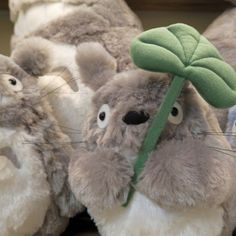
{"points": [[155, 130]]}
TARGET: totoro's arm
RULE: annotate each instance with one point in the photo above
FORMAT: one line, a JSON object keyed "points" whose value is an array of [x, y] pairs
{"points": [[187, 173], [100, 178]]}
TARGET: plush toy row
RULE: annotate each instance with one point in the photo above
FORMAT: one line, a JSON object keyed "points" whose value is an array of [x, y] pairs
{"points": [[146, 155]]}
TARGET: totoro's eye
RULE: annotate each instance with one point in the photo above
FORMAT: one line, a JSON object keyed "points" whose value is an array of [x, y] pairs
{"points": [[12, 83], [103, 116], [176, 115]]}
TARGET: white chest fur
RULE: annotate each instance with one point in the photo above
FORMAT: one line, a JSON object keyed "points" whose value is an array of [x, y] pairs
{"points": [[23, 189], [145, 218]]}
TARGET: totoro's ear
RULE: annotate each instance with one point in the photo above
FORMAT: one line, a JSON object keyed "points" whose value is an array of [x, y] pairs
{"points": [[96, 65], [33, 56]]}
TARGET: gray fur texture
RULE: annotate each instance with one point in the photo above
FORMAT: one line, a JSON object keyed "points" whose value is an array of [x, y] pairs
{"points": [[114, 164], [94, 53], [222, 33], [48, 40], [39, 61], [28, 111], [111, 23], [188, 169]]}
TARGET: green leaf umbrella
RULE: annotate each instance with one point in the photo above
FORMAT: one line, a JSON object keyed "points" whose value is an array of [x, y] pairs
{"points": [[179, 49]]}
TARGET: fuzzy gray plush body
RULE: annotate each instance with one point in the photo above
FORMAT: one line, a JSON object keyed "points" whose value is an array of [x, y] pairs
{"points": [[187, 185], [29, 134]]}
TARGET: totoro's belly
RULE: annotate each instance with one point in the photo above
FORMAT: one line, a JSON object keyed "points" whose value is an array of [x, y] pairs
{"points": [[144, 217]]}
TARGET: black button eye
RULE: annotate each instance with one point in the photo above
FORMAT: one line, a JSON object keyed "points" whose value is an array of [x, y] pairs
{"points": [[13, 81], [174, 111], [135, 118], [176, 116], [102, 116]]}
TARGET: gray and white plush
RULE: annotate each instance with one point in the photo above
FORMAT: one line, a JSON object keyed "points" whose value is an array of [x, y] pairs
{"points": [[35, 196], [46, 34], [187, 187], [222, 33]]}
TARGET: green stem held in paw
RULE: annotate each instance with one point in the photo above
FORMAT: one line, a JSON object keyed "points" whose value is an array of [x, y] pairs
{"points": [[179, 49], [155, 130]]}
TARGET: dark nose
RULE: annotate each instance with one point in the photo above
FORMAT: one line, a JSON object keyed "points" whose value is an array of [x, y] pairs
{"points": [[135, 118]]}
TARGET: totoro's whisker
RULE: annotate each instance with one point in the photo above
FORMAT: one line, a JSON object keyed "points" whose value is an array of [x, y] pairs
{"points": [[68, 130], [57, 74], [43, 143], [225, 153], [219, 133], [222, 151], [53, 90]]}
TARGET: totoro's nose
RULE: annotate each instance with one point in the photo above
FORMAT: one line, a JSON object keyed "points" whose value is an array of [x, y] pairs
{"points": [[135, 118]]}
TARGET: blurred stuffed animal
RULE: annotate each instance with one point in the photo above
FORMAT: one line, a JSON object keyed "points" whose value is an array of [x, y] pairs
{"points": [[46, 34], [222, 33], [230, 131], [35, 197]]}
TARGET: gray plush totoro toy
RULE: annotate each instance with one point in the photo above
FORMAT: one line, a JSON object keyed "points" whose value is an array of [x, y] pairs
{"points": [[222, 33], [46, 34], [187, 186], [35, 196]]}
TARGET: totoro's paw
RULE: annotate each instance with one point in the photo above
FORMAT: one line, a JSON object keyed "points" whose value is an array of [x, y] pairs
{"points": [[187, 174], [101, 178]]}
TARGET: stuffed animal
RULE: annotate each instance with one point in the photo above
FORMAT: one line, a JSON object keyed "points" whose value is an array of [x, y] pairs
{"points": [[36, 198], [139, 174], [222, 33], [46, 34]]}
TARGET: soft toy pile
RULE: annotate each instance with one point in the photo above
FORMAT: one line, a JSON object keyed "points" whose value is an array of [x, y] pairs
{"points": [[150, 167], [51, 60], [130, 133], [45, 40]]}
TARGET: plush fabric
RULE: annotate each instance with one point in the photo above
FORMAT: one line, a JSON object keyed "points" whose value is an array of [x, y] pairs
{"points": [[179, 49], [222, 33], [45, 38], [183, 190], [36, 198]]}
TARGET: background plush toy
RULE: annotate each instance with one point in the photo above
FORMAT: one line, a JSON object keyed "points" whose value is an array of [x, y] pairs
{"points": [[46, 34], [34, 154], [230, 131], [187, 184], [222, 33]]}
